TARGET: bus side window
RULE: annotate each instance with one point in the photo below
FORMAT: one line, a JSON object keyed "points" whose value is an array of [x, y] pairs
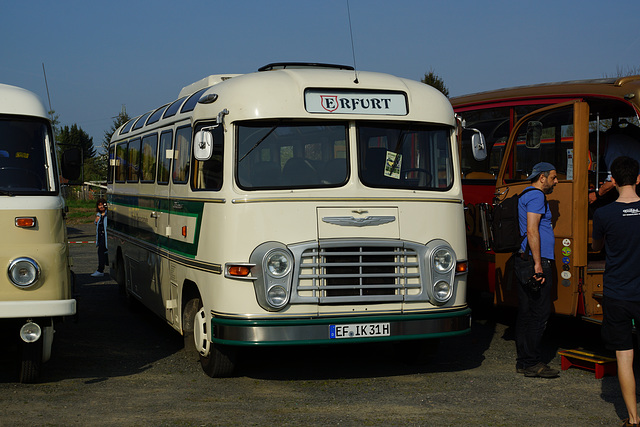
{"points": [[121, 162], [149, 155], [164, 156], [133, 161], [182, 155], [112, 164], [555, 144], [207, 175]]}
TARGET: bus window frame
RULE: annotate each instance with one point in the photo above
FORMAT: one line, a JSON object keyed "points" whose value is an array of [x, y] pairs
{"points": [[218, 150], [130, 165], [121, 162], [111, 167], [508, 159], [162, 156], [178, 155], [147, 137]]}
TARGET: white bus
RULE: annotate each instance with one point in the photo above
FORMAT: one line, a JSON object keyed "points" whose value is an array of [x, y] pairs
{"points": [[295, 205], [35, 289]]}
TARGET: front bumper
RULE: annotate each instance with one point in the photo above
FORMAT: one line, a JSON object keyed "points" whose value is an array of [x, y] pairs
{"points": [[48, 308], [317, 331]]}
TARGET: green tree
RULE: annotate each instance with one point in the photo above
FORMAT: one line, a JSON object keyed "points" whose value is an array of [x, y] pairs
{"points": [[75, 136], [630, 71], [432, 79], [118, 121], [101, 162], [55, 121]]}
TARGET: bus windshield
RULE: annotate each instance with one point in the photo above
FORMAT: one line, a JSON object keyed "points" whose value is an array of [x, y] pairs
{"points": [[279, 155], [23, 159], [405, 156]]}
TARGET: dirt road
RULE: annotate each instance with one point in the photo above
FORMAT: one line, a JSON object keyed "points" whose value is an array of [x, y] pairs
{"points": [[116, 366]]}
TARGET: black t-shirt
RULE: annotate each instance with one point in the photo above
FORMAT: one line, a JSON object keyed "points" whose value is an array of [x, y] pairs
{"points": [[619, 225]]}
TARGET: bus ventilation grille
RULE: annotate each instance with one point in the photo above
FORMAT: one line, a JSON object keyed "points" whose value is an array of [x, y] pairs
{"points": [[358, 274]]}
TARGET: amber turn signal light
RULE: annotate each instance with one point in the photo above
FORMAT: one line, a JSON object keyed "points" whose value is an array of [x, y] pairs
{"points": [[26, 222]]}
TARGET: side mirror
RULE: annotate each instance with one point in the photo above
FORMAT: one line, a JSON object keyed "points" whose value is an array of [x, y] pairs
{"points": [[534, 134], [71, 164], [478, 145], [203, 145]]}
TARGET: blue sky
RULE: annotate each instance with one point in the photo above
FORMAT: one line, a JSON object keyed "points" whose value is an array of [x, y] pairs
{"points": [[102, 55]]}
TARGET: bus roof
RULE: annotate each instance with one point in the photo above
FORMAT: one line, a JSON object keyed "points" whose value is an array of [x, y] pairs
{"points": [[279, 92], [15, 100], [621, 87], [206, 82]]}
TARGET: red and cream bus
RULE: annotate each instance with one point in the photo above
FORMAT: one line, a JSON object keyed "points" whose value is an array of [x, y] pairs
{"points": [[575, 121]]}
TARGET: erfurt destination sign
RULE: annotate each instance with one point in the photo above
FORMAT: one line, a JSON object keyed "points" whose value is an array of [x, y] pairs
{"points": [[338, 102]]}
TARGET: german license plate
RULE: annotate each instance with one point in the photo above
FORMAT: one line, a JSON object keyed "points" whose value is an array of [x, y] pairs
{"points": [[361, 330]]}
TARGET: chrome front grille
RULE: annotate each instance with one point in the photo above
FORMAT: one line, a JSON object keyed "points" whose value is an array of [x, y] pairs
{"points": [[357, 272]]}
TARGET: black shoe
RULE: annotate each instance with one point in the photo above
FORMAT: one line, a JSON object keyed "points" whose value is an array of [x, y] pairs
{"points": [[520, 369], [541, 370]]}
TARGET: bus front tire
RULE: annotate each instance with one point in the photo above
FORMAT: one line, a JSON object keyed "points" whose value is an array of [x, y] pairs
{"points": [[30, 361], [220, 360]]}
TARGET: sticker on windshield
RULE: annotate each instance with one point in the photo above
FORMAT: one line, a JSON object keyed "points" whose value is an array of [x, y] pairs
{"points": [[392, 165]]}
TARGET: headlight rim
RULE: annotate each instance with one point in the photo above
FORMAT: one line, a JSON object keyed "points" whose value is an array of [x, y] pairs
{"points": [[286, 255], [451, 255], [270, 299], [435, 293], [33, 263]]}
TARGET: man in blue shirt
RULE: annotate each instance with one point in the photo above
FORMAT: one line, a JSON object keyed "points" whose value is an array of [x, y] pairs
{"points": [[533, 267], [616, 227]]}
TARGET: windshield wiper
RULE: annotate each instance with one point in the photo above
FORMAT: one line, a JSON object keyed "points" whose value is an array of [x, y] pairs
{"points": [[7, 193], [259, 142]]}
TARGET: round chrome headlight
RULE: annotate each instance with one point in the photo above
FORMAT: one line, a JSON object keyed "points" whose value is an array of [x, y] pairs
{"points": [[442, 291], [277, 296], [24, 272], [443, 260], [278, 264], [30, 332]]}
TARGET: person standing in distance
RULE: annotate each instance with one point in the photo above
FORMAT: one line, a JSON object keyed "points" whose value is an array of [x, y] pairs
{"points": [[101, 236], [616, 227], [533, 267]]}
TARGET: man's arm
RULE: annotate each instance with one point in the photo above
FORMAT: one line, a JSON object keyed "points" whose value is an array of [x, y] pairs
{"points": [[533, 237], [604, 189], [597, 245]]}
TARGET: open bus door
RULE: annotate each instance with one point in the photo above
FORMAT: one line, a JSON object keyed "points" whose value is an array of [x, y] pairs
{"points": [[562, 140]]}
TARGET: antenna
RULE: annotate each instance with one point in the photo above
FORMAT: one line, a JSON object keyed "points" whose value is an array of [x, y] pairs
{"points": [[47, 86], [353, 49]]}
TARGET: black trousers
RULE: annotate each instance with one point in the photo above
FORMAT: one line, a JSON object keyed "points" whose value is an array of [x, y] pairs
{"points": [[103, 260], [534, 309]]}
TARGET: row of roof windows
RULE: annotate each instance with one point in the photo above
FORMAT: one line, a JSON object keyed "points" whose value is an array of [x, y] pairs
{"points": [[166, 111], [170, 110]]}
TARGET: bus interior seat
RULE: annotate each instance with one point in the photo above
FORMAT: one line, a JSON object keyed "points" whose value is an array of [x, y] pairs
{"points": [[265, 174], [298, 171], [334, 171]]}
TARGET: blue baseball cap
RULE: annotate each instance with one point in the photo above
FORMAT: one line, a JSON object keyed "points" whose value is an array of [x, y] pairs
{"points": [[539, 168]]}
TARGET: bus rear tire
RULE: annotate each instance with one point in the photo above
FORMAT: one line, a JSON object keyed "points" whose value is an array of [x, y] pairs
{"points": [[30, 361], [221, 360]]}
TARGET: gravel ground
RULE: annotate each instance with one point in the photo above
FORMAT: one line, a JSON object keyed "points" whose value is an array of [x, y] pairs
{"points": [[118, 366]]}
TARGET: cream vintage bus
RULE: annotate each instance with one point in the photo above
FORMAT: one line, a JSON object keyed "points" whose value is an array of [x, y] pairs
{"points": [[301, 204], [35, 289]]}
